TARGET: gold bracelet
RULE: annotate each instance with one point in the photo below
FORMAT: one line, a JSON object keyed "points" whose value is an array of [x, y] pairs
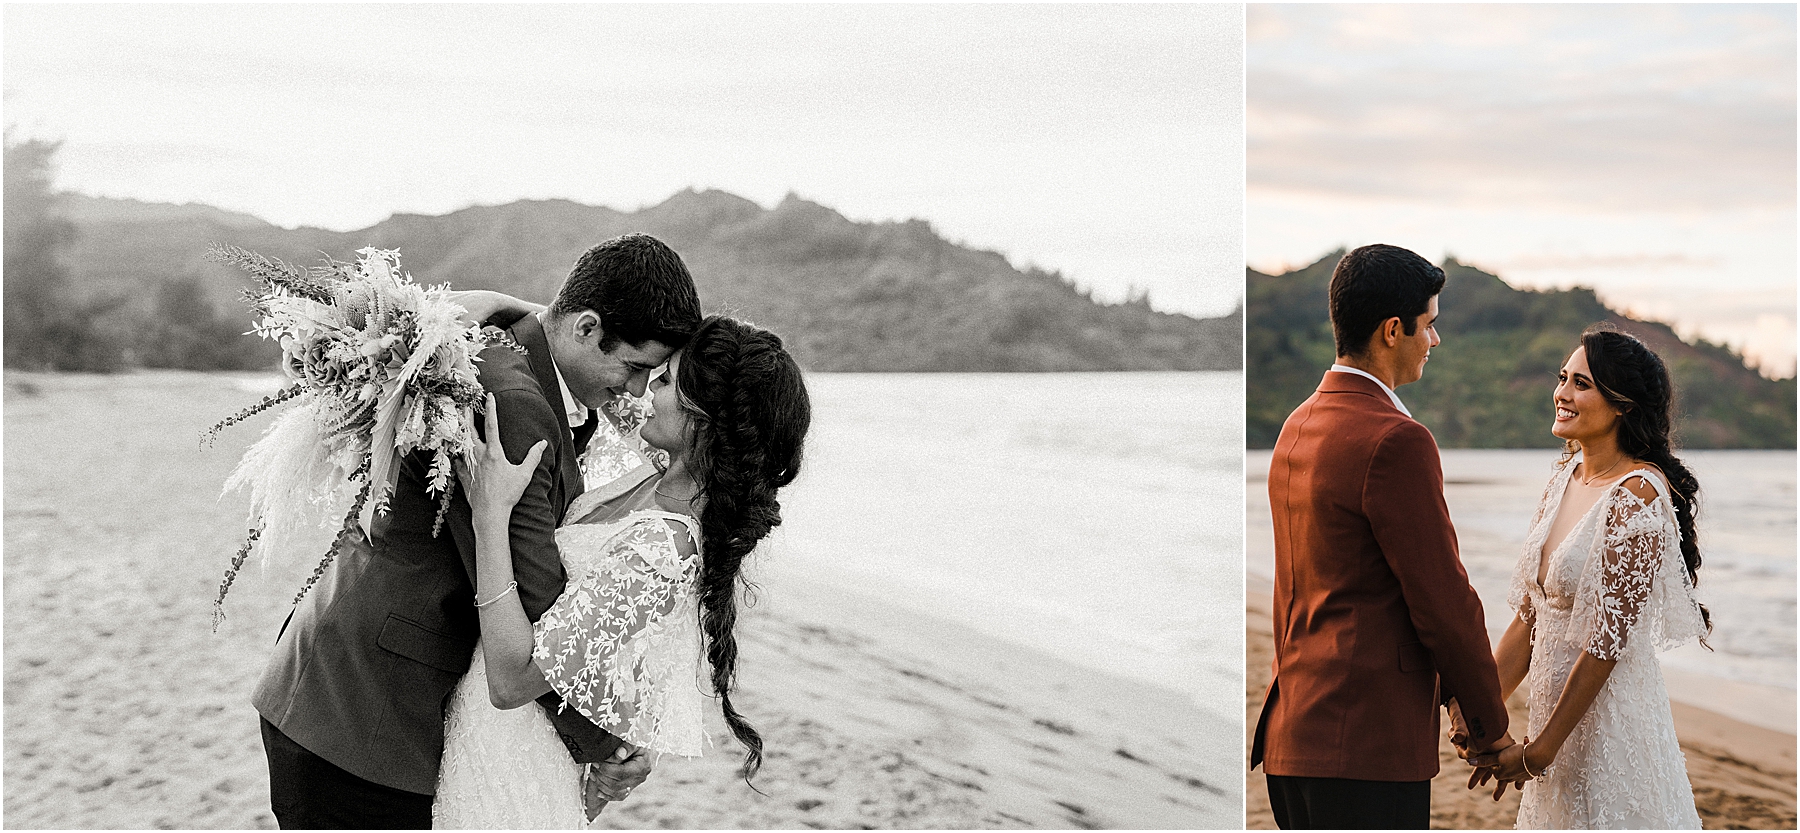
{"points": [[1524, 759], [498, 596]]}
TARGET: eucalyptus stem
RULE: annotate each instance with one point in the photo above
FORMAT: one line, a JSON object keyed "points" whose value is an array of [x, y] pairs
{"points": [[237, 562], [207, 437], [348, 529]]}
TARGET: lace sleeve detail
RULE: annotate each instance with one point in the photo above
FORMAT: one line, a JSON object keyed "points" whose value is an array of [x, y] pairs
{"points": [[1634, 585], [596, 643]]}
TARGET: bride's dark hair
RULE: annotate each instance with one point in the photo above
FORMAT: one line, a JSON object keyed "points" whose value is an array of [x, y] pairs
{"points": [[1633, 378], [749, 410]]}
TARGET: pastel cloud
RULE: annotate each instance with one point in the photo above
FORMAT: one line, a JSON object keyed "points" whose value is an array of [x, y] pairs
{"points": [[1605, 107]]}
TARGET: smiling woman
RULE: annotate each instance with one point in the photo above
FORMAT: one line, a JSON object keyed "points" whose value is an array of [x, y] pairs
{"points": [[1606, 581]]}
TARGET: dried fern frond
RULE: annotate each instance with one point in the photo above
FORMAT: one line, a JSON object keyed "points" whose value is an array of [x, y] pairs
{"points": [[274, 272]]}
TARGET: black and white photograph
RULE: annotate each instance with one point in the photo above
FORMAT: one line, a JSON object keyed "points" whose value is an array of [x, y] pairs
{"points": [[1520, 414], [628, 416]]}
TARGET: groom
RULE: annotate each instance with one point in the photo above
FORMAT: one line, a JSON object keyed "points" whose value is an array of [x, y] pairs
{"points": [[352, 701], [1374, 619]]}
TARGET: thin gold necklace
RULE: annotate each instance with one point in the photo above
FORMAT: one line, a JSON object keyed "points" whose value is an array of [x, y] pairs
{"points": [[688, 499], [1589, 481]]}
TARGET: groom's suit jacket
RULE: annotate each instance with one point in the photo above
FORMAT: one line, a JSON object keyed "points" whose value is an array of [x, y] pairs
{"points": [[1374, 619], [366, 663]]}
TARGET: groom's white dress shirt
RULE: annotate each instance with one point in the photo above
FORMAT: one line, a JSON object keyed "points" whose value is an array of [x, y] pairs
{"points": [[577, 413], [1395, 398]]}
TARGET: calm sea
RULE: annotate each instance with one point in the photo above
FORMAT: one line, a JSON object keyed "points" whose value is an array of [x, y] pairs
{"points": [[1094, 516], [1747, 530]]}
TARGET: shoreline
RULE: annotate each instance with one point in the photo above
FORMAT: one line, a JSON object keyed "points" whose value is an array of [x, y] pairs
{"points": [[1743, 775]]}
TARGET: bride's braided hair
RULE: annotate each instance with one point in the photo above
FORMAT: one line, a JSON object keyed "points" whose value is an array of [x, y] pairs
{"points": [[1634, 379], [750, 413]]}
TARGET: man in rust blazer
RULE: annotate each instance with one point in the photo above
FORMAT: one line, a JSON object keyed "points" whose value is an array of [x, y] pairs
{"points": [[1374, 619]]}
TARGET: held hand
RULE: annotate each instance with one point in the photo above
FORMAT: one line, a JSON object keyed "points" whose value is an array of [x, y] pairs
{"points": [[615, 778], [1506, 766], [492, 483], [591, 798], [1505, 740], [1459, 731], [1481, 775]]}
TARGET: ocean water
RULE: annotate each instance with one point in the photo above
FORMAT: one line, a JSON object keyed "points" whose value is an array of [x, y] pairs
{"points": [[1746, 526], [1094, 516]]}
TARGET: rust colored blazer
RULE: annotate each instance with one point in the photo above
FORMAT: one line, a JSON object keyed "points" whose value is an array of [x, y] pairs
{"points": [[1375, 622]]}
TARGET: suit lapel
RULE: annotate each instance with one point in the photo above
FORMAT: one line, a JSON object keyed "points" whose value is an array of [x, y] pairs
{"points": [[585, 432], [529, 333]]}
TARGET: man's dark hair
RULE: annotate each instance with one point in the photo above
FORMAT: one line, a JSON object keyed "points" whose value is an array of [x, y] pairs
{"points": [[1375, 283], [640, 289]]}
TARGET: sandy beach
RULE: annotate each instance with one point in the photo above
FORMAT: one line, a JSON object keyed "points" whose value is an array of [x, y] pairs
{"points": [[124, 710], [1743, 775]]}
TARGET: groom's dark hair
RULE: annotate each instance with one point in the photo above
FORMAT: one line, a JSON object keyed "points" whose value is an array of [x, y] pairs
{"points": [[1375, 283], [640, 289]]}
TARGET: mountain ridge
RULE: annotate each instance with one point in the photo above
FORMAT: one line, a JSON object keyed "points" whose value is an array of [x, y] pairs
{"points": [[1489, 384], [845, 295]]}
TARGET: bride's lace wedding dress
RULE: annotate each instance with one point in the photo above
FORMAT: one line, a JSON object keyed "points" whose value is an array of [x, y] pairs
{"points": [[1617, 588], [621, 645]]}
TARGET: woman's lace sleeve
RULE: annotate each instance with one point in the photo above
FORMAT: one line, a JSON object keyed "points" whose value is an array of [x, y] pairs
{"points": [[1635, 584], [592, 642]]}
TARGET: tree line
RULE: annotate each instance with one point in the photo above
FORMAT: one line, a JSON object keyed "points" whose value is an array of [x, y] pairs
{"points": [[51, 326], [1489, 385]]}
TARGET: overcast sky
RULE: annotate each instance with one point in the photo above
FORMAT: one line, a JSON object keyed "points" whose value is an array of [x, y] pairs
{"points": [[1647, 151], [1102, 141]]}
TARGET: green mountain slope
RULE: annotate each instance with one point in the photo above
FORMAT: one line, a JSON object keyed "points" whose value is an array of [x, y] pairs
{"points": [[1489, 384], [888, 296]]}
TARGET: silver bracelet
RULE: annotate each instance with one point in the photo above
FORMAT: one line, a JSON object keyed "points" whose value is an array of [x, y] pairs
{"points": [[498, 596]]}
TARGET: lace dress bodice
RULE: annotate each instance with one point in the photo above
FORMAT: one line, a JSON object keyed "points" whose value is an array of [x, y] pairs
{"points": [[621, 645], [1615, 587]]}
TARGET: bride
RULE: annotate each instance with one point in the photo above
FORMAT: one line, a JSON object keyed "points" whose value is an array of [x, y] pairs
{"points": [[1605, 582], [652, 576]]}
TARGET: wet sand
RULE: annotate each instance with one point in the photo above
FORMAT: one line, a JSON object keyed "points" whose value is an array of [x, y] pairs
{"points": [[124, 710]]}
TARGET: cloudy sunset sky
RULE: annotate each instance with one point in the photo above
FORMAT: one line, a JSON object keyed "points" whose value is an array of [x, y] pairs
{"points": [[1645, 151], [1101, 141]]}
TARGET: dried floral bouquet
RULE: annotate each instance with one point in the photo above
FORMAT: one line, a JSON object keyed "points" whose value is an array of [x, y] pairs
{"points": [[380, 367]]}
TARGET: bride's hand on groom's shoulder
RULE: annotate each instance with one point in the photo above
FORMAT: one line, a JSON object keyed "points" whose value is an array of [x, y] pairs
{"points": [[491, 482], [480, 305]]}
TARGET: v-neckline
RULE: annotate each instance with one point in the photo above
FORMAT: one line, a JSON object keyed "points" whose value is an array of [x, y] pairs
{"points": [[1546, 559]]}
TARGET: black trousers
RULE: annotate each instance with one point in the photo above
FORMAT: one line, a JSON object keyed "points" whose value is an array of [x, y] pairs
{"points": [[1349, 804], [308, 792]]}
